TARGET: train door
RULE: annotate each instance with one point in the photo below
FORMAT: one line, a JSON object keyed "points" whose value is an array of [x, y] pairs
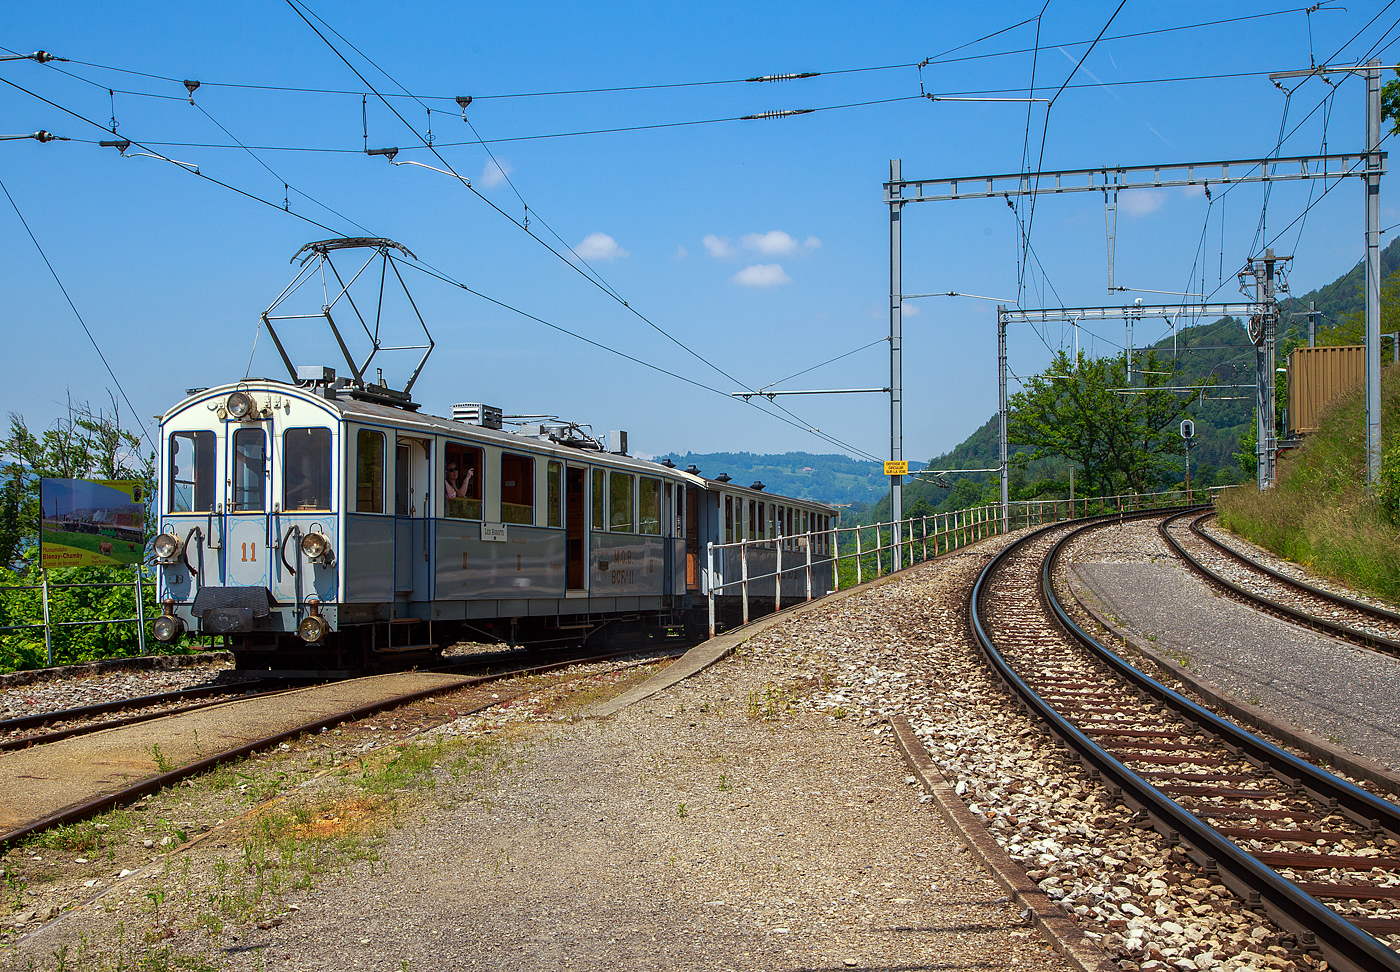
{"points": [[576, 527], [692, 539], [413, 518], [246, 523]]}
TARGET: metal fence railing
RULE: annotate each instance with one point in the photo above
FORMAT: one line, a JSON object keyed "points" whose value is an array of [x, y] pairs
{"points": [[896, 545], [48, 623]]}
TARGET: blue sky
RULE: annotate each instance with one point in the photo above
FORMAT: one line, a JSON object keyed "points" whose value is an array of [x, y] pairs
{"points": [[762, 245]]}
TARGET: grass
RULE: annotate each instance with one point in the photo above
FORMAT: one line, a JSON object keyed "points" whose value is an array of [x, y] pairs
{"points": [[1318, 515]]}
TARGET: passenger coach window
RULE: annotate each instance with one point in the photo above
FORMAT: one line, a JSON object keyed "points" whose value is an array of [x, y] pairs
{"points": [[517, 489], [306, 469], [369, 472], [192, 484], [762, 522], [649, 505], [249, 470], [620, 503], [600, 520], [729, 519], [461, 482], [556, 494]]}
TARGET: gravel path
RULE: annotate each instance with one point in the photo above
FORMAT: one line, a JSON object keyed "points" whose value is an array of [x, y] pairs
{"points": [[1347, 694], [70, 693]]}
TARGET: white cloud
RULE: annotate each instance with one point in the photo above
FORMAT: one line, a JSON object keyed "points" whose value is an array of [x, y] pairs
{"points": [[600, 246], [681, 253], [762, 275], [772, 243], [718, 246], [1140, 202], [495, 172], [907, 309], [811, 243]]}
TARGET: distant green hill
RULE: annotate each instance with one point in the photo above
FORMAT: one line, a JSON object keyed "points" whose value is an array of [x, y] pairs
{"points": [[825, 478]]}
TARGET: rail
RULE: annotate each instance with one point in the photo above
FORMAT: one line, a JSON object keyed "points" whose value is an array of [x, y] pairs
{"points": [[899, 544], [1343, 944]]}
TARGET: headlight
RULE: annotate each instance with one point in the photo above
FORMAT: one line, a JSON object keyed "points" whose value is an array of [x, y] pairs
{"points": [[316, 547], [240, 405], [312, 629], [167, 547], [168, 627]]}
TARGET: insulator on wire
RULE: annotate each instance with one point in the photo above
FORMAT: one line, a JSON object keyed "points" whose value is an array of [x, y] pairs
{"points": [[785, 77], [777, 114]]}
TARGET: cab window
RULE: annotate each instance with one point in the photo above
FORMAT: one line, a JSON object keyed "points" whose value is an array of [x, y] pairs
{"points": [[249, 470], [306, 469], [649, 505], [517, 489], [620, 503], [369, 472], [461, 485], [192, 483]]}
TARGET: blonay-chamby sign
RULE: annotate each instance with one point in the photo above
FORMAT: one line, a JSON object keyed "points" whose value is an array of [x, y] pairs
{"points": [[91, 522]]}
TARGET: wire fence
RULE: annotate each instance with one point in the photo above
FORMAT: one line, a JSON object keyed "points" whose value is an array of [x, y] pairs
{"points": [[852, 555]]}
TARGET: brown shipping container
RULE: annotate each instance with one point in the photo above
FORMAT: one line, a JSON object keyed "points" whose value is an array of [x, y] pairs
{"points": [[1318, 375]]}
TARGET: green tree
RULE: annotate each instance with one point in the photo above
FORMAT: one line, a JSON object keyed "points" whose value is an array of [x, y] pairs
{"points": [[1080, 409]]}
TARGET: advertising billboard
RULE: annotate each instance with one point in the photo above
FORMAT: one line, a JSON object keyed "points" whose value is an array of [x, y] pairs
{"points": [[91, 522]]}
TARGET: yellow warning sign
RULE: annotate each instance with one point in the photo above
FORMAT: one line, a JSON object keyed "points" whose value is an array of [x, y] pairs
{"points": [[900, 468]]}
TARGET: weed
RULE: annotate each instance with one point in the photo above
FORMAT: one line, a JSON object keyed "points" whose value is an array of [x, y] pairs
{"points": [[1151, 637], [840, 712], [1253, 698], [1337, 740], [76, 837], [681, 811], [724, 783], [162, 763]]}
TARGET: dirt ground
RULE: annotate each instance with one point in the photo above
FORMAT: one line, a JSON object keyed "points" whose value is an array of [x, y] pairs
{"points": [[719, 825]]}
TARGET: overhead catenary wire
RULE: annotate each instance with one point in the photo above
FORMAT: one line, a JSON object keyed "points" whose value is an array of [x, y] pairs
{"points": [[806, 427], [940, 58], [298, 6], [77, 313]]}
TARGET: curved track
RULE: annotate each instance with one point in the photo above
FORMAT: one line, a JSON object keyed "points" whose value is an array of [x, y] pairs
{"points": [[1279, 832], [1275, 592]]}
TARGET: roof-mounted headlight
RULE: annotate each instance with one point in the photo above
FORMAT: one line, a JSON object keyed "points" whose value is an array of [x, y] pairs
{"points": [[240, 405], [316, 547], [167, 547]]}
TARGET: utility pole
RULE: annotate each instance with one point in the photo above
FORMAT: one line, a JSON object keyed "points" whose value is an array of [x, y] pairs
{"points": [[1374, 166], [896, 350], [1001, 407], [1312, 323], [1263, 331]]}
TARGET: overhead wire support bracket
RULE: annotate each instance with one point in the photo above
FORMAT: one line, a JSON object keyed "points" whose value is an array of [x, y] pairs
{"points": [[770, 395], [39, 136], [1292, 168]]}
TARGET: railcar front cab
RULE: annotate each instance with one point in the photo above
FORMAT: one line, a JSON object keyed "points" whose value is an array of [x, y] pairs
{"points": [[248, 542]]}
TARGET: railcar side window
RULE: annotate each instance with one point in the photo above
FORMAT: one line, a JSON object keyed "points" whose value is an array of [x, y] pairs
{"points": [[249, 470], [369, 472], [306, 469], [403, 485], [600, 520], [649, 505], [192, 483], [620, 516], [555, 500], [517, 489], [729, 519], [461, 482], [753, 534], [762, 523]]}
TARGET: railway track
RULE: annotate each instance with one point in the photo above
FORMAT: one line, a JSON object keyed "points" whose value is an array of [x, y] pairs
{"points": [[1282, 834], [1276, 593], [96, 755]]}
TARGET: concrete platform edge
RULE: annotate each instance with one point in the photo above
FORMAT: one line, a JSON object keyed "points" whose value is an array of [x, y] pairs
{"points": [[1251, 716], [1057, 927]]}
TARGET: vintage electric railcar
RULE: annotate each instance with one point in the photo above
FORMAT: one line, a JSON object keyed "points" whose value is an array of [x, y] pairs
{"points": [[327, 525]]}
